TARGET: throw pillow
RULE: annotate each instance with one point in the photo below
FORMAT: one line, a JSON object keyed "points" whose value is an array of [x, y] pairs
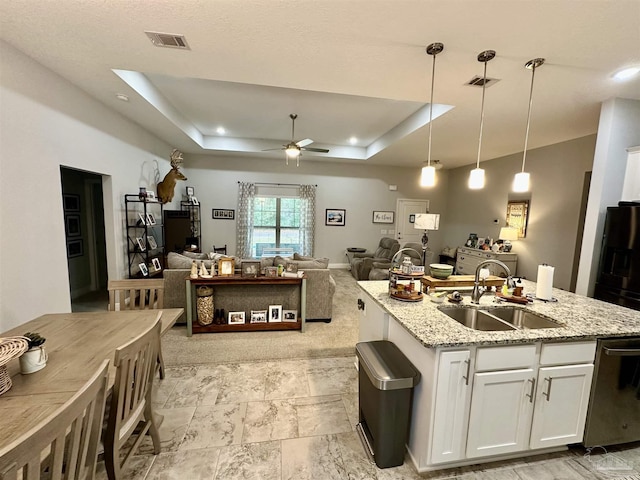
{"points": [[297, 256]]}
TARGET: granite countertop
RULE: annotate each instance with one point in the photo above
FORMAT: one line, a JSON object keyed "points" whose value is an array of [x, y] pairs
{"points": [[581, 318]]}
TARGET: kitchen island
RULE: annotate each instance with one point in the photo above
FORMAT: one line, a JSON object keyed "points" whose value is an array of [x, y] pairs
{"points": [[491, 395]]}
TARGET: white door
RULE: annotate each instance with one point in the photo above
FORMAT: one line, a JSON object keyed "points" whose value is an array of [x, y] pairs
{"points": [[561, 405], [405, 208], [451, 407], [501, 411]]}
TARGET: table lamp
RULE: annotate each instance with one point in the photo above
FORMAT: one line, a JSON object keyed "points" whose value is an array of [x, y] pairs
{"points": [[507, 234], [426, 221]]}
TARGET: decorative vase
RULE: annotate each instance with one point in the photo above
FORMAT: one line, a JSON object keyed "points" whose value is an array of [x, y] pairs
{"points": [[33, 360]]}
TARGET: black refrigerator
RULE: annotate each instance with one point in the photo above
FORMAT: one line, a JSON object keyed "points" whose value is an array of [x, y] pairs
{"points": [[619, 271]]}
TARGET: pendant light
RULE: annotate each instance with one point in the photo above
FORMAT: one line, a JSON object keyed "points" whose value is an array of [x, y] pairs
{"points": [[521, 180], [476, 176], [428, 176]]}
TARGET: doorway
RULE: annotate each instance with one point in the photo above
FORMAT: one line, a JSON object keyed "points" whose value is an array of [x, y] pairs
{"points": [[83, 207]]}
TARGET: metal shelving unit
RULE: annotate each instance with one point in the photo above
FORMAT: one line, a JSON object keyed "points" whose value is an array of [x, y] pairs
{"points": [[145, 236]]}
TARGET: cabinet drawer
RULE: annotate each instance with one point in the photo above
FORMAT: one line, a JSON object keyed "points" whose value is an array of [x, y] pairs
{"points": [[568, 352], [505, 358]]}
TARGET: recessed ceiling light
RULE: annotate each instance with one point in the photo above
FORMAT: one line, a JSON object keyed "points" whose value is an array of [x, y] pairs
{"points": [[353, 140], [626, 73], [122, 96], [220, 131]]}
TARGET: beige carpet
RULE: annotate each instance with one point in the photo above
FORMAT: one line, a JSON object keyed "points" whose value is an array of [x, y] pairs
{"points": [[337, 338]]}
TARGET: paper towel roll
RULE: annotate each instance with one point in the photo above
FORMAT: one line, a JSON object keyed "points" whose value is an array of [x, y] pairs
{"points": [[544, 282]]}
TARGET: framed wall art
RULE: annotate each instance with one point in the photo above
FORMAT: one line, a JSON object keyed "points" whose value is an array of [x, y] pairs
{"points": [[71, 202], [223, 214], [72, 225], [74, 248], [275, 313], [383, 217], [335, 217], [518, 216]]}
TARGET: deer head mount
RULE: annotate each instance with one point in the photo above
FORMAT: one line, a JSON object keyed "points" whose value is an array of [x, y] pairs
{"points": [[167, 185]]}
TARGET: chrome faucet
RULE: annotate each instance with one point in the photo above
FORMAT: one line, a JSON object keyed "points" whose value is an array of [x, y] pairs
{"points": [[477, 289]]}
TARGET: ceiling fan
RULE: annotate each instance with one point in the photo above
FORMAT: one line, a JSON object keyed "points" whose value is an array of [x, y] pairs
{"points": [[294, 149]]}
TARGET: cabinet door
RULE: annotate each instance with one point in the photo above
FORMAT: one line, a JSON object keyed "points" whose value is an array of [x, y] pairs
{"points": [[501, 411], [451, 406], [561, 405], [373, 321]]}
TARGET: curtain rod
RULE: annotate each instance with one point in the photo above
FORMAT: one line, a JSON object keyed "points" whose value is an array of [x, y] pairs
{"points": [[280, 184]]}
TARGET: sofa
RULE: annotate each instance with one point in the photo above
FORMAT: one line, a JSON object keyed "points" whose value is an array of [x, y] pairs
{"points": [[362, 263], [320, 284]]}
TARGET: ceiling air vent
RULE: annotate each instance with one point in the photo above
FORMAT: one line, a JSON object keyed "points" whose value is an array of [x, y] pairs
{"points": [[479, 81], [169, 40]]}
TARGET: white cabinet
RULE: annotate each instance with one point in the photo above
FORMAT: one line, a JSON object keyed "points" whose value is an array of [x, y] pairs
{"points": [[561, 405], [468, 259], [501, 410], [453, 392], [373, 321]]}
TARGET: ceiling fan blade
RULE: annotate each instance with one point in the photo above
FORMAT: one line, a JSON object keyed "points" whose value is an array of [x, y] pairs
{"points": [[271, 149], [305, 142], [320, 150]]}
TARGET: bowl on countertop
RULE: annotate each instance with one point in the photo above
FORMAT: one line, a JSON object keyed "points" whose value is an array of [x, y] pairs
{"points": [[440, 271]]}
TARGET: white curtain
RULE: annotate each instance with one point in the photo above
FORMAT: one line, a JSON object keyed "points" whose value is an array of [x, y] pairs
{"points": [[244, 223], [307, 218]]}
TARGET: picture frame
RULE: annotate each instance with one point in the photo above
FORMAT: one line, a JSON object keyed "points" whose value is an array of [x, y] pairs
{"points": [[194, 201], [223, 214], [151, 220], [226, 267], [518, 216], [472, 241], [151, 241], [72, 225], [271, 271], [335, 217], [142, 220], [151, 196], [275, 313], [258, 316], [156, 264], [74, 248], [190, 191], [480, 242], [143, 269], [289, 315], [236, 318], [71, 202], [142, 246], [249, 269], [291, 267], [380, 216]]}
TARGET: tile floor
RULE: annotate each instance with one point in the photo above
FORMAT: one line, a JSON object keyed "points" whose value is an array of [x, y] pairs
{"points": [[295, 420]]}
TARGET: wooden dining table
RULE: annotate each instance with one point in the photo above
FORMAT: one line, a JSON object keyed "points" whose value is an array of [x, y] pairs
{"points": [[76, 344]]}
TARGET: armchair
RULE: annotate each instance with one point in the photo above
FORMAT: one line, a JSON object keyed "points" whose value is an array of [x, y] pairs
{"points": [[363, 262], [380, 269]]}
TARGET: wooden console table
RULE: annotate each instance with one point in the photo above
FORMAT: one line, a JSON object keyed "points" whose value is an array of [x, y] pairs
{"points": [[237, 293]]}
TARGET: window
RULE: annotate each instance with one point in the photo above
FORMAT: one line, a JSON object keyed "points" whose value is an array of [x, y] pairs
{"points": [[276, 226]]}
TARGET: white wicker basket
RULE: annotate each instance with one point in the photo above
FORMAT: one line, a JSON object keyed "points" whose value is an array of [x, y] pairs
{"points": [[10, 348]]}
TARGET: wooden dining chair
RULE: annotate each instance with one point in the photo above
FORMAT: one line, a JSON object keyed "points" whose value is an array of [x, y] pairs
{"points": [[138, 294], [65, 444], [131, 398], [222, 250]]}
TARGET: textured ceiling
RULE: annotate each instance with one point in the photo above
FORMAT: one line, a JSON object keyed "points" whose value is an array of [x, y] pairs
{"points": [[346, 68]]}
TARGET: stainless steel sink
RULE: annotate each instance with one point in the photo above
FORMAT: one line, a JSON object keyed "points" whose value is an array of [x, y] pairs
{"points": [[495, 319]]}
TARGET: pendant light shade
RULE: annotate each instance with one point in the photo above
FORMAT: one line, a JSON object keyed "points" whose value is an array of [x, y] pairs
{"points": [[476, 176], [521, 180], [428, 175]]}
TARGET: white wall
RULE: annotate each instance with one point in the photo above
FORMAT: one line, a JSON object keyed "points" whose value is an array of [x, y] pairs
{"points": [[358, 188], [46, 122], [619, 129], [557, 173]]}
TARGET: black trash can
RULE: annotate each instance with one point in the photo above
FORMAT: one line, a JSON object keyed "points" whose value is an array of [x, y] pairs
{"points": [[386, 379]]}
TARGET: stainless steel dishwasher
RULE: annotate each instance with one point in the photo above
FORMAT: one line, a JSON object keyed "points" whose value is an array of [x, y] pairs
{"points": [[614, 407]]}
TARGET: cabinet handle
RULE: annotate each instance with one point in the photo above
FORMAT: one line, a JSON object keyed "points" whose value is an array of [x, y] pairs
{"points": [[533, 388], [466, 377], [548, 392]]}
